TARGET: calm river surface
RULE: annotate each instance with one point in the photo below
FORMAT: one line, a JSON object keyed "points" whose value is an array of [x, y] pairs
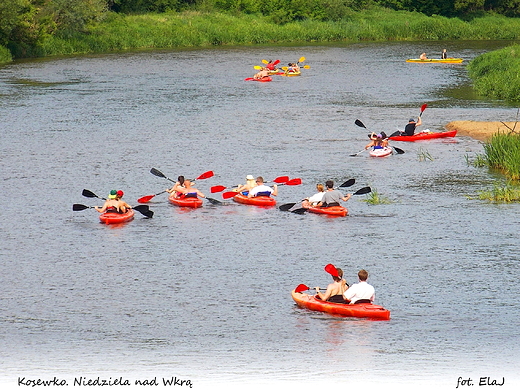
{"points": [[204, 295]]}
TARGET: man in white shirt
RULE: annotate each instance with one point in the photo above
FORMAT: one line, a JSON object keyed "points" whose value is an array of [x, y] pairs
{"points": [[361, 292], [262, 190]]}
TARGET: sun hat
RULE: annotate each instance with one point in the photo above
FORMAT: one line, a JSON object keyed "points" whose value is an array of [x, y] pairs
{"points": [[250, 177], [120, 193], [112, 194]]}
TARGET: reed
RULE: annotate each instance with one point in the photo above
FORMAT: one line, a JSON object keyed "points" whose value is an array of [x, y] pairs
{"points": [[197, 29], [501, 194], [502, 152], [375, 197], [424, 155]]}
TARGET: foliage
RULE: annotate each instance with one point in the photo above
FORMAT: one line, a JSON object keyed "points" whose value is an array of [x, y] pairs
{"points": [[502, 152], [424, 155], [375, 197], [497, 74], [501, 194]]}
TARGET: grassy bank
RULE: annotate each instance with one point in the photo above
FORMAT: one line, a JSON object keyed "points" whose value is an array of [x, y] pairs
{"points": [[497, 74], [502, 152], [5, 55], [196, 29]]}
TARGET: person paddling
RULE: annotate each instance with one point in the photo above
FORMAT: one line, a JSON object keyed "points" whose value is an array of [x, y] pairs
{"points": [[113, 204], [190, 192], [335, 290], [260, 75], [409, 129], [361, 292], [332, 197], [262, 190]]}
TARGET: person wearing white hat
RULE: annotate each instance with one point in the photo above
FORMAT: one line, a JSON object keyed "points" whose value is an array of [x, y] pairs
{"points": [[245, 188]]}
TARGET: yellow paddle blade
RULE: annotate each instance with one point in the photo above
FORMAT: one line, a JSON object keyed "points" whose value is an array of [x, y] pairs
{"points": [[258, 67], [284, 68], [265, 61], [302, 59], [306, 67]]}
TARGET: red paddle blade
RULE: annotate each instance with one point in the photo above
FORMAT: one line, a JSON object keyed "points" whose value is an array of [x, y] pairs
{"points": [[230, 194], [423, 107], [276, 62], [145, 199], [205, 175], [294, 182], [331, 270], [281, 179], [217, 189], [301, 287]]}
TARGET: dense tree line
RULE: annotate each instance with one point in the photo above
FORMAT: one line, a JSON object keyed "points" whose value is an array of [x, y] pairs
{"points": [[28, 22]]}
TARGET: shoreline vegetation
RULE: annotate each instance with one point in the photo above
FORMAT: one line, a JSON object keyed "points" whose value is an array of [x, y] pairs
{"points": [[189, 29]]}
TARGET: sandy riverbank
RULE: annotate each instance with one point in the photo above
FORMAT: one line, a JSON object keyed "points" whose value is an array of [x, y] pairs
{"points": [[480, 130]]}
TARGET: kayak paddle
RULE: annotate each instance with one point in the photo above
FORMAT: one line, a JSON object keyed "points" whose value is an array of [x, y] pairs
{"points": [[423, 107], [301, 287], [147, 198], [397, 150], [143, 209], [90, 194]]}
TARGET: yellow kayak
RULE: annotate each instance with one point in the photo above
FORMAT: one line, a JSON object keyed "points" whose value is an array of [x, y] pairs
{"points": [[437, 60]]}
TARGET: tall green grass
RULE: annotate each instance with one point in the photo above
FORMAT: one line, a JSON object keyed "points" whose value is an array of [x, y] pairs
{"points": [[497, 74], [502, 152], [196, 29], [501, 194]]}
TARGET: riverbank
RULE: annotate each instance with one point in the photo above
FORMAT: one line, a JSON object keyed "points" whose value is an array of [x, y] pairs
{"points": [[192, 29], [481, 131]]}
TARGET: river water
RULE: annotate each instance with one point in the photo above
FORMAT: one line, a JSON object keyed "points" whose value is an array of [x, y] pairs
{"points": [[204, 295]]}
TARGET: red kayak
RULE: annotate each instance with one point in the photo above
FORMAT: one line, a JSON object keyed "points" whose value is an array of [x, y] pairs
{"points": [[358, 310], [111, 217], [424, 135], [185, 202], [262, 80], [337, 211], [256, 201]]}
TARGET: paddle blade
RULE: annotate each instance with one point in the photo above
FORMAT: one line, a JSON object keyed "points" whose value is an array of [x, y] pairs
{"points": [[348, 183], [398, 151], [230, 194], [423, 107], [144, 209], [156, 172], [213, 201], [276, 62], [359, 123], [281, 179], [265, 61], [362, 191], [300, 288], [258, 67], [217, 189], [294, 182], [306, 67], [301, 59], [287, 206], [331, 270], [302, 210], [205, 175], [145, 199], [89, 194], [79, 207]]}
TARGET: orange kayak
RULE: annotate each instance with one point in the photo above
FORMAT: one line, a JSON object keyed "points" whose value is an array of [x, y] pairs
{"points": [[185, 202], [111, 218], [358, 310], [256, 201], [338, 211]]}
